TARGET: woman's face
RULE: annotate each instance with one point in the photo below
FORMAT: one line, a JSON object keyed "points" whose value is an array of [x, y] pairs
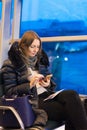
{"points": [[33, 48]]}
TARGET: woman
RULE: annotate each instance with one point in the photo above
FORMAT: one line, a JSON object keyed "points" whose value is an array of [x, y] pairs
{"points": [[28, 65], [17, 76]]}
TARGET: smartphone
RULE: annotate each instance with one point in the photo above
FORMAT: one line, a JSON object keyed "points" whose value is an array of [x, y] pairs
{"points": [[48, 77]]}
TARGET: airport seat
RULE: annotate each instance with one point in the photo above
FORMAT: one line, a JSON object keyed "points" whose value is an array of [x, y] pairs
{"points": [[49, 126]]}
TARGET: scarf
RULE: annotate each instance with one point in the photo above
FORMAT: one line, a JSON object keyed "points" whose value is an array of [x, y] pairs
{"points": [[31, 62], [31, 65]]}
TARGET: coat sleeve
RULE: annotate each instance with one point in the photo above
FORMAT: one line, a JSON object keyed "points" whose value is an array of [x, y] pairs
{"points": [[11, 85]]}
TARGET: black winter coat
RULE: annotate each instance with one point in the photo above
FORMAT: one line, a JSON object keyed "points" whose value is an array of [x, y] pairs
{"points": [[16, 83], [15, 73]]}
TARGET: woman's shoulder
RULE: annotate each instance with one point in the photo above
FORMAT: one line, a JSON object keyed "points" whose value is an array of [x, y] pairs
{"points": [[7, 64]]}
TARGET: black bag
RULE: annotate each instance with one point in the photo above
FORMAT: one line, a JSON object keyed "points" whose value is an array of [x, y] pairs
{"points": [[22, 106]]}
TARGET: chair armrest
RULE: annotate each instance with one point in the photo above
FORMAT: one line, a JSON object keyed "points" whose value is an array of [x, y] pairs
{"points": [[15, 114]]}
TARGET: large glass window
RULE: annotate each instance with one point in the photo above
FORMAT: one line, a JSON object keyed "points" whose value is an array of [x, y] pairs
{"points": [[54, 17], [11, 16], [0, 11], [68, 63]]}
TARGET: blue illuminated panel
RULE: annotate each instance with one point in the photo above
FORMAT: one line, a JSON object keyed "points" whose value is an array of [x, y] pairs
{"points": [[0, 10], [54, 18], [68, 63]]}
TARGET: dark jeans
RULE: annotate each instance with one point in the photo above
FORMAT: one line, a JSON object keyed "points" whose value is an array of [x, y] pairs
{"points": [[67, 107]]}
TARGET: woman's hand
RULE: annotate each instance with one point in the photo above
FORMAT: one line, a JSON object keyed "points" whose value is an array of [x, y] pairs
{"points": [[35, 79], [44, 83]]}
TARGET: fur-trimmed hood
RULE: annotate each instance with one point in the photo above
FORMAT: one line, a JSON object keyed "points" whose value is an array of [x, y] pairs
{"points": [[14, 55]]}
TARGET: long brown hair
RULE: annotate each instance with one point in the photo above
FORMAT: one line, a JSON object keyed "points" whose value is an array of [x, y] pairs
{"points": [[27, 40], [24, 44]]}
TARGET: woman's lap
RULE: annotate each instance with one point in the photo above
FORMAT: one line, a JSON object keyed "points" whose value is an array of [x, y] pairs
{"points": [[58, 107]]}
